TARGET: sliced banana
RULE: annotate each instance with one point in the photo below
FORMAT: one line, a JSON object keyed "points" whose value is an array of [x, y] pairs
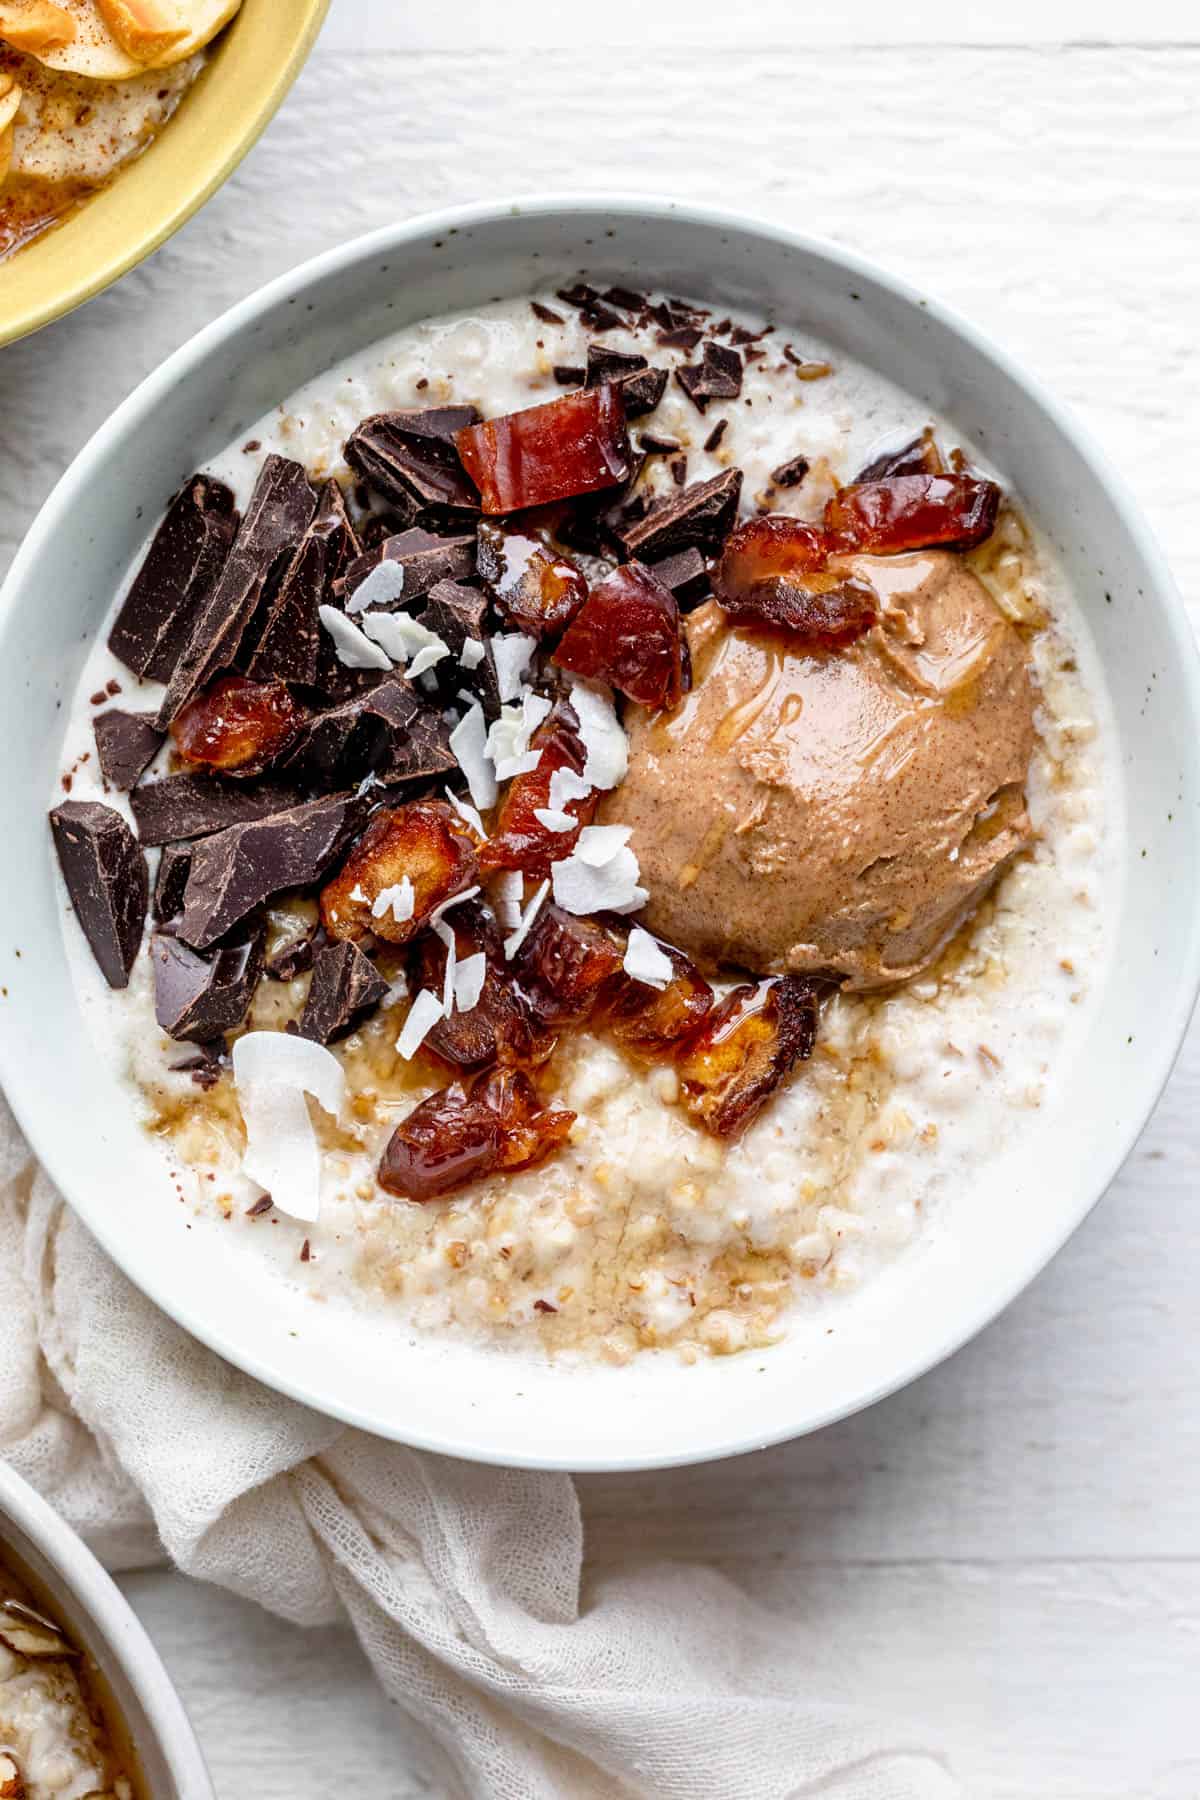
{"points": [[161, 32], [38, 27]]}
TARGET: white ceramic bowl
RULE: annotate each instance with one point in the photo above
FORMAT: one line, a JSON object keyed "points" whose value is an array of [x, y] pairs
{"points": [[504, 1407], [96, 1617]]}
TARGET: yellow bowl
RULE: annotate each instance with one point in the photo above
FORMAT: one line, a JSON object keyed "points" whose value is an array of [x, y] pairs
{"points": [[250, 70]]}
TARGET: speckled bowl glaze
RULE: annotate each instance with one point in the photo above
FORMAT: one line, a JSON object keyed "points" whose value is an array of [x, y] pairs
{"points": [[98, 1620], [251, 68], [507, 1407]]}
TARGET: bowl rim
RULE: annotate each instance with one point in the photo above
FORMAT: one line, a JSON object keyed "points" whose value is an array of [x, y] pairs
{"points": [[37, 314], [122, 1633], [1174, 1008]]}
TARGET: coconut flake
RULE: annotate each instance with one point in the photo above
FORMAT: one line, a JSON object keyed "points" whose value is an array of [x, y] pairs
{"points": [[404, 638], [565, 786], [603, 737], [468, 741], [354, 651], [423, 1015], [583, 887], [598, 844], [512, 653], [554, 820], [272, 1072], [382, 587], [507, 892], [645, 961], [471, 654], [399, 900], [466, 813], [513, 943], [469, 978]]}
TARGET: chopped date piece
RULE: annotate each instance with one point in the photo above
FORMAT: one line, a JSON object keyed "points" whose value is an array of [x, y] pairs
{"points": [[279, 512], [445, 1143], [699, 518], [410, 458], [575, 445], [628, 634], [774, 572], [125, 743], [528, 1134], [345, 987], [176, 579], [566, 964], [290, 645], [425, 841], [537, 591], [106, 877], [745, 1047], [199, 998], [519, 840], [499, 1027], [236, 726], [913, 512], [652, 1021], [919, 457]]}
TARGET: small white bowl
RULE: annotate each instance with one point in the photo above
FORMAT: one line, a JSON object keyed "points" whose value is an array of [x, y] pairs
{"points": [[92, 1611], [457, 1397]]}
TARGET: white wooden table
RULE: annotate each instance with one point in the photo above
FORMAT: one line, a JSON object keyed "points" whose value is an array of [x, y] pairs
{"points": [[1012, 1547]]}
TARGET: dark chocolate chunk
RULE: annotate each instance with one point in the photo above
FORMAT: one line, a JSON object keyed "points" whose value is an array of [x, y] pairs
{"points": [[569, 375], [198, 998], [701, 516], [106, 877], [457, 615], [425, 559], [717, 376], [546, 314], [289, 648], [189, 806], [713, 440], [175, 580], [686, 574], [790, 474], [345, 986], [171, 880], [295, 954], [125, 743], [410, 458], [280, 509], [388, 731], [237, 870]]}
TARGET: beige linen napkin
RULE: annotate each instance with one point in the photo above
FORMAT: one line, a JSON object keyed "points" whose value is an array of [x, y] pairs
{"points": [[465, 1585]]}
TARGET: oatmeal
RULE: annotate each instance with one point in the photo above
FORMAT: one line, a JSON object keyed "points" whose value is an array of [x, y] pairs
{"points": [[625, 799], [54, 1742], [84, 87]]}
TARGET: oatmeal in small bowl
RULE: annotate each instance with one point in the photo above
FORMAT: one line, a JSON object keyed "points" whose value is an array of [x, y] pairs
{"points": [[592, 825]]}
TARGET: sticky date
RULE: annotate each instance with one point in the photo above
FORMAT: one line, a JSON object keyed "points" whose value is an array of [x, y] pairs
{"points": [[455, 1137], [571, 446], [747, 1045], [425, 840], [913, 512], [236, 725], [519, 840], [628, 634], [536, 590], [774, 572]]}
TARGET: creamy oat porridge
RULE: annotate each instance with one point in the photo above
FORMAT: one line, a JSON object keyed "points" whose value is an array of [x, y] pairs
{"points": [[55, 1743], [593, 818], [84, 87]]}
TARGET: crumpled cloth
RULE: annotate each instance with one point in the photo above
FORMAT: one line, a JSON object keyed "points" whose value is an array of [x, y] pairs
{"points": [[465, 1585]]}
